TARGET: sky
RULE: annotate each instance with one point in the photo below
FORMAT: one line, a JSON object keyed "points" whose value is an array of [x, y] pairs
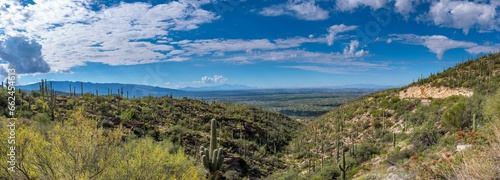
{"points": [[259, 43]]}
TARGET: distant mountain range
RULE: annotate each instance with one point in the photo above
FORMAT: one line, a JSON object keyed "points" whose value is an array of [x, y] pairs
{"points": [[144, 90], [104, 88]]}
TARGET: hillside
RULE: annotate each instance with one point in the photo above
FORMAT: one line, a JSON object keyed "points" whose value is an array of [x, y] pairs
{"points": [[417, 131], [253, 138]]}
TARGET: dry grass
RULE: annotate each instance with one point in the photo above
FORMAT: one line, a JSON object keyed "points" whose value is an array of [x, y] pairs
{"points": [[482, 163]]}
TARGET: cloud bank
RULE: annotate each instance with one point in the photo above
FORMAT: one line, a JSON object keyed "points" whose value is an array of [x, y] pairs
{"points": [[72, 33], [300, 9]]}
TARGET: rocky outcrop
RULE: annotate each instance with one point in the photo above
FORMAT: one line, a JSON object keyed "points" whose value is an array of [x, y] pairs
{"points": [[428, 92]]}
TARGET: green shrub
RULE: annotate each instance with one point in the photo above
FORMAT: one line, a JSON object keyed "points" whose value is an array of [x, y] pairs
{"points": [[128, 115], [398, 156], [106, 124], [492, 106], [292, 174], [419, 117], [42, 118], [366, 151], [327, 172], [424, 137], [453, 118]]}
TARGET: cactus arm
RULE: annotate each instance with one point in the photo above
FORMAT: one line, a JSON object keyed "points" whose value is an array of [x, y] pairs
{"points": [[219, 153], [220, 162], [204, 161], [214, 156]]}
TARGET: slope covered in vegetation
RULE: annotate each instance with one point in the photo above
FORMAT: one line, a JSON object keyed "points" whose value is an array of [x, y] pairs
{"points": [[388, 136], [254, 139]]}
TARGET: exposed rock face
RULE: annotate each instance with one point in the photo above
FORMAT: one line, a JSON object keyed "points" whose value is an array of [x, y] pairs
{"points": [[461, 147], [426, 92]]}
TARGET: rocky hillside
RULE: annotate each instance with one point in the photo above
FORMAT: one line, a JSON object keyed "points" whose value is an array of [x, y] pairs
{"points": [[404, 133], [253, 138]]}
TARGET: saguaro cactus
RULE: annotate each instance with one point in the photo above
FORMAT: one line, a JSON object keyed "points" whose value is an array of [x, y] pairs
{"points": [[42, 88], [212, 158], [394, 140], [474, 123], [52, 104], [343, 167]]}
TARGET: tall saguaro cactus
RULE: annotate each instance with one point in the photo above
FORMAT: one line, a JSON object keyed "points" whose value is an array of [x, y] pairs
{"points": [[212, 158], [42, 88], [343, 167], [474, 123], [52, 103], [394, 139]]}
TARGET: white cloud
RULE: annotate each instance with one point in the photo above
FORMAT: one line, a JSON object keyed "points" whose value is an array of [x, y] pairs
{"points": [[296, 41], [351, 49], [436, 43], [349, 5], [336, 29], [342, 67], [301, 56], [216, 79], [209, 46], [484, 49], [322, 69], [219, 46], [405, 7], [300, 9], [464, 15], [72, 34]]}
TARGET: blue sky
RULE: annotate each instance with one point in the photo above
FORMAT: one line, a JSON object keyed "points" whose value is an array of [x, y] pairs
{"points": [[267, 44]]}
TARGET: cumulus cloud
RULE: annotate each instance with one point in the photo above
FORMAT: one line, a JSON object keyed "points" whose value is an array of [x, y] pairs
{"points": [[300, 9], [23, 54], [336, 29], [464, 15], [72, 34], [405, 7], [351, 49], [216, 79], [349, 5], [436, 43]]}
